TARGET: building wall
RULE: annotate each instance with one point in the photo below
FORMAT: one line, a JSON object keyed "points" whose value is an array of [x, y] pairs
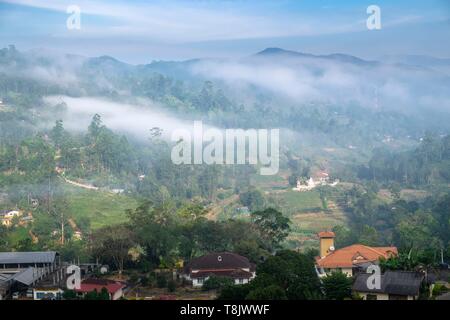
{"points": [[240, 281], [323, 273], [348, 271], [381, 296], [37, 294], [197, 283], [325, 244]]}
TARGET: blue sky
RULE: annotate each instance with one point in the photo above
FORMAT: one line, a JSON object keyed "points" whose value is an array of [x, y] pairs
{"points": [[141, 31]]}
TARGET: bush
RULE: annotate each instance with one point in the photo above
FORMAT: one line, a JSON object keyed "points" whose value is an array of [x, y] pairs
{"points": [[171, 286], [234, 292], [145, 281], [161, 281], [272, 292], [69, 295], [439, 289], [216, 283], [134, 278]]}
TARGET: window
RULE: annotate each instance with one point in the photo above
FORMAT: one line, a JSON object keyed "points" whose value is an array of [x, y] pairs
{"points": [[241, 281], [200, 280]]}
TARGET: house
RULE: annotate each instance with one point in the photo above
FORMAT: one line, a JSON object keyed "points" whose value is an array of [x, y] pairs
{"points": [[394, 285], [8, 216], [320, 178], [348, 260], [115, 288], [223, 264]]}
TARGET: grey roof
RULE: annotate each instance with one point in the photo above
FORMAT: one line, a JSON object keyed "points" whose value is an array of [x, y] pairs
{"points": [[5, 277], [27, 257], [27, 276], [219, 260], [392, 282]]}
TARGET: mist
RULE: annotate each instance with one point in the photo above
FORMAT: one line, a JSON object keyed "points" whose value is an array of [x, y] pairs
{"points": [[131, 119], [303, 80]]}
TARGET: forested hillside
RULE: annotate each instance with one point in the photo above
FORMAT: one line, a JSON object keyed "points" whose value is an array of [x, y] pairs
{"points": [[111, 178]]}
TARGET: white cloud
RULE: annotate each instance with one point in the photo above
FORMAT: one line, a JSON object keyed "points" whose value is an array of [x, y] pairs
{"points": [[132, 119], [191, 21]]}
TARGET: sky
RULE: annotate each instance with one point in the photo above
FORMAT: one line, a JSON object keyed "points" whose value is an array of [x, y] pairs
{"points": [[142, 31]]}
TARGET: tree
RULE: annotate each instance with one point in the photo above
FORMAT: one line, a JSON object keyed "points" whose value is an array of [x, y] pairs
{"points": [[272, 224], [289, 271], [58, 134], [272, 292], [253, 199], [293, 180], [337, 286], [112, 244]]}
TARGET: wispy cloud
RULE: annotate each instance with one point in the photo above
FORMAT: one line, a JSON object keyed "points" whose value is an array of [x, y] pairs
{"points": [[184, 21]]}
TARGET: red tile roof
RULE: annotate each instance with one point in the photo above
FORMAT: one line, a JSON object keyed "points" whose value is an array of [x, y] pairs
{"points": [[89, 285], [355, 254]]}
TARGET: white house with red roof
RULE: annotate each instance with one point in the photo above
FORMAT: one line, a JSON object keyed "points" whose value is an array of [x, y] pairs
{"points": [[222, 264]]}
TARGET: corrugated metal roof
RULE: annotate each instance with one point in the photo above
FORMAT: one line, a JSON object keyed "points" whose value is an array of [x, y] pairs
{"points": [[27, 276], [27, 257], [4, 277]]}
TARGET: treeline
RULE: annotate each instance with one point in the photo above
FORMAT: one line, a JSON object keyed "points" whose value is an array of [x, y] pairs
{"points": [[420, 229], [106, 159], [428, 164], [160, 236]]}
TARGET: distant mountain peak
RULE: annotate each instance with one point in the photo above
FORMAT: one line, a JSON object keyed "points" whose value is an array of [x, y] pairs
{"points": [[270, 51], [341, 57]]}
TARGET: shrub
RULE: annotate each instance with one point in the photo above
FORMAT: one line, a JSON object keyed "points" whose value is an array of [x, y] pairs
{"points": [[216, 283], [171, 285], [161, 281]]}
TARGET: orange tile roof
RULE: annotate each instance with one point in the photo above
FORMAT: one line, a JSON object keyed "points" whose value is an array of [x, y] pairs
{"points": [[326, 234], [354, 254]]}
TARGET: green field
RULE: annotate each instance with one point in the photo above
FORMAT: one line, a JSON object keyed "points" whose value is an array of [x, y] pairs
{"points": [[101, 207], [292, 202]]}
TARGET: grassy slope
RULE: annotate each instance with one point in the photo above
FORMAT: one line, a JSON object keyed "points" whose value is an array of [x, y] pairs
{"points": [[102, 208]]}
